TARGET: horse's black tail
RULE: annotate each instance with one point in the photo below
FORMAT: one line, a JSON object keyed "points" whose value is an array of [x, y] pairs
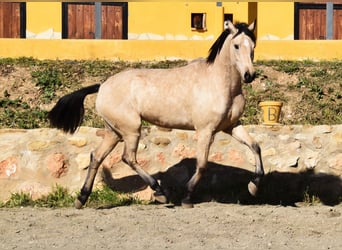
{"points": [[67, 114]]}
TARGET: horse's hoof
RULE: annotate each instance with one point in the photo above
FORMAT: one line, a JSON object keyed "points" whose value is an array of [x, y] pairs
{"points": [[252, 188], [160, 198], [186, 203], [78, 204]]}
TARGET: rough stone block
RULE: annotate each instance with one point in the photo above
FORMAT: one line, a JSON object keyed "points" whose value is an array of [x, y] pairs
{"points": [[8, 167], [57, 164]]}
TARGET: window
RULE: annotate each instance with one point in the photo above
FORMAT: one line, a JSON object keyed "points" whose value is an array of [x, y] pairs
{"points": [[198, 21], [226, 18]]}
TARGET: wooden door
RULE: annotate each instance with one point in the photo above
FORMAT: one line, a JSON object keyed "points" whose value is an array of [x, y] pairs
{"points": [[12, 20], [338, 24], [312, 24], [310, 21], [112, 22], [79, 21]]}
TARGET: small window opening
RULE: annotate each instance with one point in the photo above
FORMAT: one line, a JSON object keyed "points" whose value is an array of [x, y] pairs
{"points": [[198, 21], [226, 18]]}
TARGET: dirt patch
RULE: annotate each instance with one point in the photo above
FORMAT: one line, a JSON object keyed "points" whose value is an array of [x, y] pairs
{"points": [[207, 226]]}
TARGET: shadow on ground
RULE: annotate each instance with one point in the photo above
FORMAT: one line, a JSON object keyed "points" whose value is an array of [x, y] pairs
{"points": [[228, 184]]}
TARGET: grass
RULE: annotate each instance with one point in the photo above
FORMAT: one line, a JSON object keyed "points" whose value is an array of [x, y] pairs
{"points": [[48, 80], [105, 197], [314, 98], [16, 113], [61, 197]]}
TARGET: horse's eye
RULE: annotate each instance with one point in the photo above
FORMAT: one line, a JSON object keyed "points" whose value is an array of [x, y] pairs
{"points": [[236, 46]]}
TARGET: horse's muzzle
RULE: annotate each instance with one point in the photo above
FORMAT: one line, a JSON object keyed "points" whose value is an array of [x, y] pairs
{"points": [[248, 77]]}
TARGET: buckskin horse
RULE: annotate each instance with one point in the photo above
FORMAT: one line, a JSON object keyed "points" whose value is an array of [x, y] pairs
{"points": [[204, 95]]}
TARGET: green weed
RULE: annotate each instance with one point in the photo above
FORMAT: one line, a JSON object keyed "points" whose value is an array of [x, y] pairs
{"points": [[289, 67], [48, 80], [61, 197], [250, 115], [106, 197], [18, 200], [320, 72], [19, 114]]}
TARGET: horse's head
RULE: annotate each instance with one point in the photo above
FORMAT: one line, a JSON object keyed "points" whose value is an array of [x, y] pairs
{"points": [[242, 49]]}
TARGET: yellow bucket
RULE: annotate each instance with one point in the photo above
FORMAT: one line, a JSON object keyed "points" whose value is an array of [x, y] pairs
{"points": [[271, 112]]}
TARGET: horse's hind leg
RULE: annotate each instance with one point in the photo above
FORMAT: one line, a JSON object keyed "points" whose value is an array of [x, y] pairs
{"points": [[205, 138], [242, 135], [129, 157], [96, 157]]}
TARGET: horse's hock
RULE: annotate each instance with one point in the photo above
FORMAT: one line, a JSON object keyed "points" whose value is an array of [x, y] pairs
{"points": [[34, 161]]}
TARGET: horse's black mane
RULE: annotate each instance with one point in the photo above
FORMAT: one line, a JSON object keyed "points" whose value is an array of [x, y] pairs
{"points": [[217, 46]]}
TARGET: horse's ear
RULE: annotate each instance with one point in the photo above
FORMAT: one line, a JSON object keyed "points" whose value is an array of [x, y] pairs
{"points": [[231, 27], [251, 27]]}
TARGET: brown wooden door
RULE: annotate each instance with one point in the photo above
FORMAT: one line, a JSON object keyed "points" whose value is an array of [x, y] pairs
{"points": [[11, 20], [310, 21], [312, 24], [112, 22], [79, 21], [338, 24]]}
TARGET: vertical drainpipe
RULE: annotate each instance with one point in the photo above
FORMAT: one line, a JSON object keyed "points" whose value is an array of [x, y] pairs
{"points": [[330, 21], [98, 21]]}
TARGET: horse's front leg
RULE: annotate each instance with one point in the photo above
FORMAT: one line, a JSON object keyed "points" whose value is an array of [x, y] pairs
{"points": [[109, 142], [205, 138], [243, 136]]}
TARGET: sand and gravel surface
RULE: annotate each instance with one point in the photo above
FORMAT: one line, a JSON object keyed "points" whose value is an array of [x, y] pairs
{"points": [[209, 225]]}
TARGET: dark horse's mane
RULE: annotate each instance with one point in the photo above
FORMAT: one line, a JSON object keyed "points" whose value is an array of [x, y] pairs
{"points": [[217, 46]]}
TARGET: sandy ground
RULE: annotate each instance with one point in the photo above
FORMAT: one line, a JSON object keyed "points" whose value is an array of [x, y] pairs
{"points": [[209, 225]]}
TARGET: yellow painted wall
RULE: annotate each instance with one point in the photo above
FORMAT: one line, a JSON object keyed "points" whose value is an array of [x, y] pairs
{"points": [[162, 18], [299, 50], [275, 18], [41, 16], [174, 18], [238, 9], [135, 50]]}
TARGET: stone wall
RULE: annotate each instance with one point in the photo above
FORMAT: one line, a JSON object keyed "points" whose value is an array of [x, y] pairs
{"points": [[34, 161]]}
